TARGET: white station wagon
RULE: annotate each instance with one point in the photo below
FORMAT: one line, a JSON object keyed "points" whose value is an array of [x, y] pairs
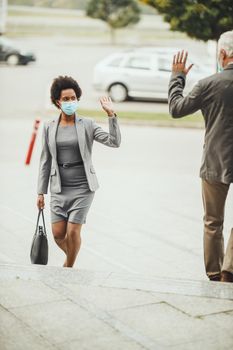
{"points": [[142, 73]]}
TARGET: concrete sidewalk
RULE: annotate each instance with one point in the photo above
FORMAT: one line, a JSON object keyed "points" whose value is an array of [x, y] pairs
{"points": [[61, 308], [146, 217], [140, 282]]}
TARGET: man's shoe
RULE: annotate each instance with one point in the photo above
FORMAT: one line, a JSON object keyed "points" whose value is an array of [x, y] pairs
{"points": [[226, 277], [215, 278]]}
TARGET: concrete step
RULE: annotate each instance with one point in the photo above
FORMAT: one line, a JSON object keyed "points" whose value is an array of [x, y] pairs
{"points": [[131, 281], [46, 307]]}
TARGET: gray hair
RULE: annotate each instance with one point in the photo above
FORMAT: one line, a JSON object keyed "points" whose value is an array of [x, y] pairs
{"points": [[226, 43]]}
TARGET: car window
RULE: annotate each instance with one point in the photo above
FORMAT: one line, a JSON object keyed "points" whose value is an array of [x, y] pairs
{"points": [[116, 62], [164, 64], [138, 62]]}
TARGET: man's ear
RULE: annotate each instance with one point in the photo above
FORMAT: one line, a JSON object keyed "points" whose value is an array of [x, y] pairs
{"points": [[223, 53]]}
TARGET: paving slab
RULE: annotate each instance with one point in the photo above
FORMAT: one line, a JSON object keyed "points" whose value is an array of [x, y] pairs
{"points": [[16, 335], [197, 306], [62, 308], [111, 299], [166, 325], [169, 285], [39, 293], [100, 336], [58, 321]]}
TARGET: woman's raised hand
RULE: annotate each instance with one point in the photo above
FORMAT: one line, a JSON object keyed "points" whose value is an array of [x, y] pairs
{"points": [[107, 105]]}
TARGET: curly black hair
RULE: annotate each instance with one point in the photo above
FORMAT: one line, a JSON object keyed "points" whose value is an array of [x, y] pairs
{"points": [[63, 83]]}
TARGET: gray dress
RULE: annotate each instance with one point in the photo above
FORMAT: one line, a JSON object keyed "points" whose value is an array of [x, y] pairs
{"points": [[75, 199]]}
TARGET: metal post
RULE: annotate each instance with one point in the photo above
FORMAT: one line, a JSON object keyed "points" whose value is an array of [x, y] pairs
{"points": [[32, 142]]}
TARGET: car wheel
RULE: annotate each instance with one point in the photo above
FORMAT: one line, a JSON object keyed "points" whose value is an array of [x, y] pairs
{"points": [[118, 92], [12, 60]]}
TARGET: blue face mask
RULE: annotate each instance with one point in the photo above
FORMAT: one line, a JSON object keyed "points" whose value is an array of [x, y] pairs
{"points": [[69, 108]]}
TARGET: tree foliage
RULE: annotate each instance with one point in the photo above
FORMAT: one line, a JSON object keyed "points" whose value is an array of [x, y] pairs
{"points": [[116, 13], [200, 19]]}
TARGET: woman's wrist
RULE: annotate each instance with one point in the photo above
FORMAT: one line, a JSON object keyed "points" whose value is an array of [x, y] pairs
{"points": [[111, 114]]}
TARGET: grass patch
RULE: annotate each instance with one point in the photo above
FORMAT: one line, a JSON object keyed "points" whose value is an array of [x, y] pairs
{"points": [[160, 119], [14, 29], [17, 30], [37, 30], [22, 13]]}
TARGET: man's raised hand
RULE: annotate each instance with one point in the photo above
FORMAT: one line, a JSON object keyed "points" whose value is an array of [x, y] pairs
{"points": [[179, 63]]}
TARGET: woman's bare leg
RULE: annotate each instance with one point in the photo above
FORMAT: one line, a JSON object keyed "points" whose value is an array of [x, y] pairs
{"points": [[59, 233], [73, 242]]}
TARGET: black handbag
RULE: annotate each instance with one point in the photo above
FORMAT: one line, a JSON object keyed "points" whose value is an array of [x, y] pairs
{"points": [[39, 247]]}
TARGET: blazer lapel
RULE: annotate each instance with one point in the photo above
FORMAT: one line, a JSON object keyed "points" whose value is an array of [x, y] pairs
{"points": [[52, 137], [81, 135]]}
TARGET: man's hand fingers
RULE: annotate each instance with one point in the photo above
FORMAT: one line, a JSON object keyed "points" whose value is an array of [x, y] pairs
{"points": [[188, 69], [178, 58], [181, 56], [185, 57], [174, 60]]}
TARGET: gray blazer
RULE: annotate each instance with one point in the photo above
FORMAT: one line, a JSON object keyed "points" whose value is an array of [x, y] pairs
{"points": [[87, 131], [214, 97]]}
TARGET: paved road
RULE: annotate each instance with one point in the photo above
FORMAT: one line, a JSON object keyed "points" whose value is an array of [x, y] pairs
{"points": [[25, 90], [146, 216]]}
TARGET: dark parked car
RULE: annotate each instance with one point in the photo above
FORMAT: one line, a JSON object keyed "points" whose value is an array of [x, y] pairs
{"points": [[13, 56]]}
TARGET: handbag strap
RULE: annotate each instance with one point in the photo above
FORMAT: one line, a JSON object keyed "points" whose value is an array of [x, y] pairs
{"points": [[41, 212]]}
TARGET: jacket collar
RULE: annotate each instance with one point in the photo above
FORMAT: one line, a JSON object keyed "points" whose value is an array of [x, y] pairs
{"points": [[229, 66]]}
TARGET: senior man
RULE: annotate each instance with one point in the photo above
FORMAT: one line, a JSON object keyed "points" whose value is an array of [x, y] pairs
{"points": [[214, 97]]}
